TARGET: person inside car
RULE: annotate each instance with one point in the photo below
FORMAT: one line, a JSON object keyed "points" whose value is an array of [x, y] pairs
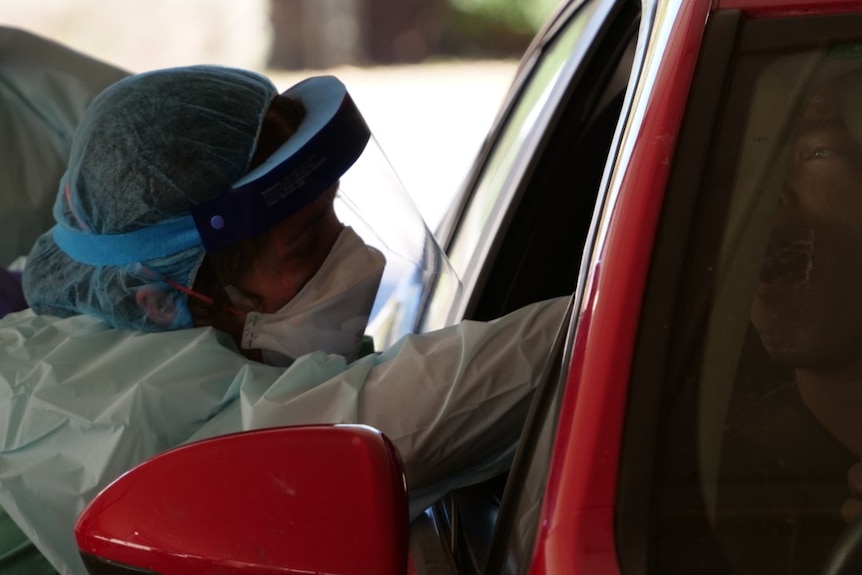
{"points": [[792, 423], [199, 198], [782, 455], [806, 310]]}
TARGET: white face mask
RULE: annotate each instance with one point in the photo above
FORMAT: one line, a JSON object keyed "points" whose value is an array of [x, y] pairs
{"points": [[328, 314]]}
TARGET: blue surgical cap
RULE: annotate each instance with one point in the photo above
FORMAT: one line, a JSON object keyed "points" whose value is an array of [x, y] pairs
{"points": [[148, 148]]}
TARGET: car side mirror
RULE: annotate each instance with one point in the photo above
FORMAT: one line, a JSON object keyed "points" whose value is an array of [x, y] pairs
{"points": [[312, 499]]}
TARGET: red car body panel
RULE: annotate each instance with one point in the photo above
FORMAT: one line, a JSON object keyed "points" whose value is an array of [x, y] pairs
{"points": [[576, 533], [169, 516], [576, 530]]}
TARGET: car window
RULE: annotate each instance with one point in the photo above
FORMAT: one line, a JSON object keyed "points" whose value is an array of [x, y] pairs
{"points": [[485, 218], [489, 197], [752, 326], [577, 85], [516, 531]]}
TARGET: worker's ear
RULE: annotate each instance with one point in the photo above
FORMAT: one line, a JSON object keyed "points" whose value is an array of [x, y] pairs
{"points": [[157, 304]]}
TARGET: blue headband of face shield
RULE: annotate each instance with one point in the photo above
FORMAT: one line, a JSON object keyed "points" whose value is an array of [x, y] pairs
{"points": [[329, 140]]}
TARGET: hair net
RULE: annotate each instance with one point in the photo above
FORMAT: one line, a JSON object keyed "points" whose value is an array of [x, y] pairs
{"points": [[147, 149]]}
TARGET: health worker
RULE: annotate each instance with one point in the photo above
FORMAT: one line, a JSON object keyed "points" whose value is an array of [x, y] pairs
{"points": [[219, 262]]}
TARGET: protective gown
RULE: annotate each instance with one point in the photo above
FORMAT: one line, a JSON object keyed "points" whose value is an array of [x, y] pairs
{"points": [[83, 402]]}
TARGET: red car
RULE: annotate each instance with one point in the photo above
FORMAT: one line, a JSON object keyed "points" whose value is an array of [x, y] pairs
{"points": [[691, 171]]}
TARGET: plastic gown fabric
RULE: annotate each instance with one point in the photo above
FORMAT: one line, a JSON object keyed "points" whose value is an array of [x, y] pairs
{"points": [[82, 403]]}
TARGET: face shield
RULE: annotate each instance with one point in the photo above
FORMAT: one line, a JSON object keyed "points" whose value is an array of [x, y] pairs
{"points": [[333, 146]]}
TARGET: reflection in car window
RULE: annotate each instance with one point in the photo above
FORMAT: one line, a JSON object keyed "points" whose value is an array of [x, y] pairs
{"points": [[763, 431]]}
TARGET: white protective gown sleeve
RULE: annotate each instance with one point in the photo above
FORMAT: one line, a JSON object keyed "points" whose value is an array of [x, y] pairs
{"points": [[81, 403]]}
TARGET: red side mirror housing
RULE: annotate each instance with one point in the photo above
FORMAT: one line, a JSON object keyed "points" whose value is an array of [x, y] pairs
{"points": [[314, 499]]}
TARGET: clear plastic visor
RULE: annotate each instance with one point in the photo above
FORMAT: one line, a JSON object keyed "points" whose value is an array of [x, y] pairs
{"points": [[333, 145], [372, 200]]}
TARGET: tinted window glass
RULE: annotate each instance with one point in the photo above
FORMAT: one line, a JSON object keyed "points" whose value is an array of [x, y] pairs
{"points": [[762, 412], [514, 148], [488, 199]]}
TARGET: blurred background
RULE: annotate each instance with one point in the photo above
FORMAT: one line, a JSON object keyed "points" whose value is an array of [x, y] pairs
{"points": [[428, 75]]}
